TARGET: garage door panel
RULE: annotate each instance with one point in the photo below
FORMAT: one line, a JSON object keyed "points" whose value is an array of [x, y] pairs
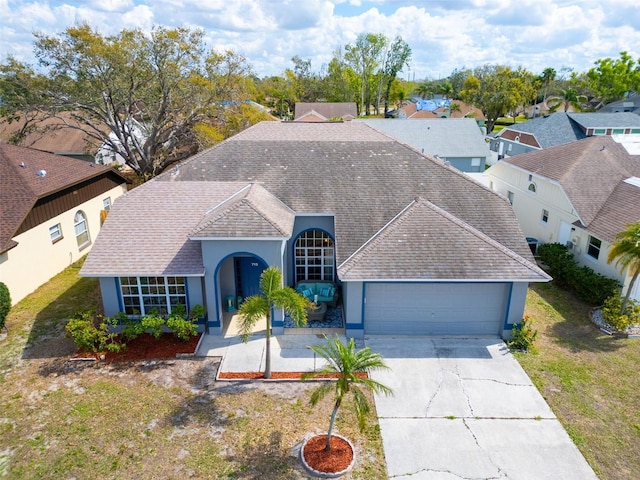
{"points": [[435, 309]]}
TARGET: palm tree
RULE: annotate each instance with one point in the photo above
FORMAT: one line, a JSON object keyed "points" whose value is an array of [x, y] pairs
{"points": [[626, 254], [273, 295], [567, 97], [350, 365]]}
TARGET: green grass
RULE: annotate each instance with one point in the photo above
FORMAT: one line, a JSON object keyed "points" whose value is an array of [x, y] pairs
{"points": [[63, 419], [589, 379]]}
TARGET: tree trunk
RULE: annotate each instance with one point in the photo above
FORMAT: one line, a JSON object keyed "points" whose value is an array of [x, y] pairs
{"points": [[331, 422], [267, 353], [628, 294]]}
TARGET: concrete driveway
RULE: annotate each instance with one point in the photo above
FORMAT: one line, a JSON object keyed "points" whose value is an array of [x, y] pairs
{"points": [[465, 409]]}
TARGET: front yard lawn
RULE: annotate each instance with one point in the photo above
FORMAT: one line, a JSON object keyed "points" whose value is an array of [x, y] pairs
{"points": [[154, 419], [590, 380]]}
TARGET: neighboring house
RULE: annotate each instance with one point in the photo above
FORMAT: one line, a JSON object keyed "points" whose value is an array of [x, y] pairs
{"points": [[630, 104], [413, 246], [440, 108], [560, 128], [456, 141], [53, 136], [325, 111], [50, 213], [580, 194]]}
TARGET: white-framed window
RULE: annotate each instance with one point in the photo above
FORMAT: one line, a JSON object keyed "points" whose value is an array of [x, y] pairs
{"points": [[475, 162], [545, 216], [314, 258], [82, 229], [106, 203], [532, 187], [510, 196], [593, 250], [55, 232], [147, 295]]}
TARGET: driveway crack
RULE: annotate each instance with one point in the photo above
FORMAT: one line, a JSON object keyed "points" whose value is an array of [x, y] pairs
{"points": [[439, 380], [433, 470], [501, 473]]}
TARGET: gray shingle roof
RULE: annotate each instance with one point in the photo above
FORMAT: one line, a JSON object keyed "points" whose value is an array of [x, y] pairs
{"points": [[360, 176], [565, 127], [407, 246], [606, 120], [253, 212], [147, 230], [445, 137], [551, 130], [592, 173]]}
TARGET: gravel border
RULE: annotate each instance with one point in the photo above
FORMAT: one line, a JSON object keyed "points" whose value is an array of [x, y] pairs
{"points": [[632, 331]]}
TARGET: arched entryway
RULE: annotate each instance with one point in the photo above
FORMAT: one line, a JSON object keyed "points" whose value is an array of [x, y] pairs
{"points": [[237, 277]]}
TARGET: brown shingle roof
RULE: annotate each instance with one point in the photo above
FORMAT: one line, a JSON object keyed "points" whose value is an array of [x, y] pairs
{"points": [[328, 110], [592, 173], [21, 185], [51, 136]]}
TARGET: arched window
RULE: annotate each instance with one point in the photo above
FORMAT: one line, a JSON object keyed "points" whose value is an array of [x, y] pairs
{"points": [[314, 256], [81, 229], [532, 187]]}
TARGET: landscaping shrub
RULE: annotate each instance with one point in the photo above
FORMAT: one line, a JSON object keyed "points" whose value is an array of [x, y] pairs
{"points": [[590, 286], [91, 333], [152, 323], [612, 312], [523, 336], [184, 326], [5, 304]]}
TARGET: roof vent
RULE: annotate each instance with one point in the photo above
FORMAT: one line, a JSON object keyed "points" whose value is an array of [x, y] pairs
{"points": [[41, 173], [23, 165]]}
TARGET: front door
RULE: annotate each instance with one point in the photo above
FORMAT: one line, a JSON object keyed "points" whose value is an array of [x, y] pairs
{"points": [[248, 271]]}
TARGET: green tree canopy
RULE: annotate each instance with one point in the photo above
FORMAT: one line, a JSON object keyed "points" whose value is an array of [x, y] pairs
{"points": [[613, 79], [142, 95], [497, 90]]}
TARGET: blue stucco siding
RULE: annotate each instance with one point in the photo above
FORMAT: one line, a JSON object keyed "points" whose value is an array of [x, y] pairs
{"points": [[219, 280], [515, 308], [302, 224], [112, 303], [352, 301]]}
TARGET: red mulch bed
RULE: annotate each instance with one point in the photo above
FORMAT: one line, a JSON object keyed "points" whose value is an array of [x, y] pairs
{"points": [[147, 347], [335, 460], [276, 375]]}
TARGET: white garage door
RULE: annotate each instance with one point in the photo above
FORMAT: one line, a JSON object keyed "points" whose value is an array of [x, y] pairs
{"points": [[435, 309]]}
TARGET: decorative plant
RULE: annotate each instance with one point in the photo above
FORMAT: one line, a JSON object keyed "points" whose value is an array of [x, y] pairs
{"points": [[351, 367], [523, 335], [5, 304], [184, 326], [272, 294], [618, 317], [91, 333]]}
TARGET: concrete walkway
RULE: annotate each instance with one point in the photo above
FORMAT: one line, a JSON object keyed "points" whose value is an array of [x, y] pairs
{"points": [[462, 408]]}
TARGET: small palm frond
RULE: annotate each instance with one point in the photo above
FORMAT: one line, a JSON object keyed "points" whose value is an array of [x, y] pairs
{"points": [[252, 309], [361, 405], [270, 281], [292, 303]]}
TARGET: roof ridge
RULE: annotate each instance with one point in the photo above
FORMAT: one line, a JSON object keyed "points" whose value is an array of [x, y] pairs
{"points": [[419, 201], [254, 205]]}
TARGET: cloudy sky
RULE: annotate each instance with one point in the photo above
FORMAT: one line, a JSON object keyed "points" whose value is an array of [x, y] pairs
{"points": [[443, 34]]}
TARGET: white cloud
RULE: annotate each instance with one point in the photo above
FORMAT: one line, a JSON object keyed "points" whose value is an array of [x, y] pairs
{"points": [[443, 34]]}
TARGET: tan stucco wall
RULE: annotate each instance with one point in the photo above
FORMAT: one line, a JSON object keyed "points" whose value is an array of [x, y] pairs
{"points": [[36, 259]]}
